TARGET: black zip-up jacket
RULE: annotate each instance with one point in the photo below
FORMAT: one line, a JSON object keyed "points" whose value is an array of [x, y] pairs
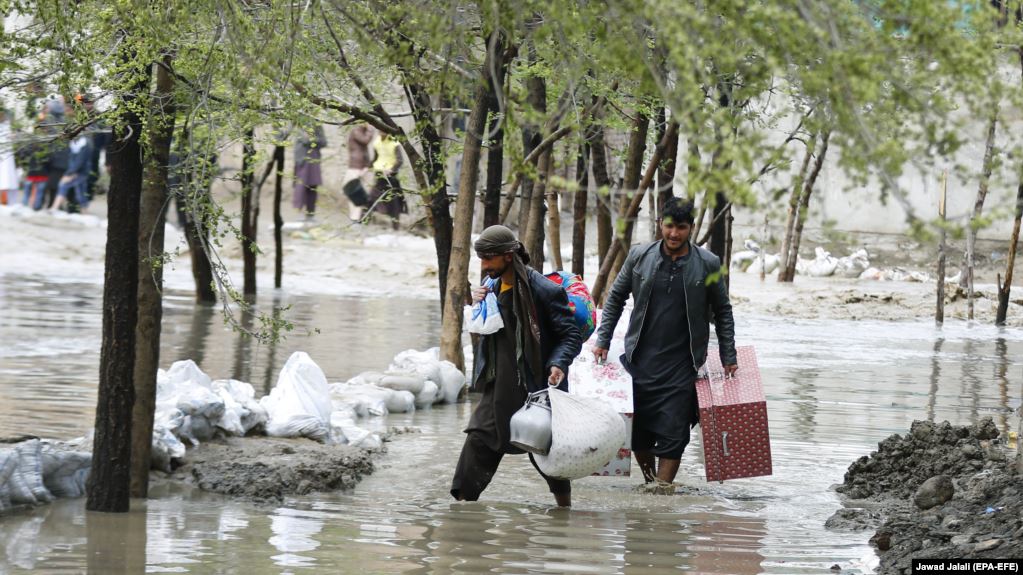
{"points": [[560, 340], [704, 291]]}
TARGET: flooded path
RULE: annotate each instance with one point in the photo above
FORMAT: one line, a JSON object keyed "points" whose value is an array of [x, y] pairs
{"points": [[834, 390]]}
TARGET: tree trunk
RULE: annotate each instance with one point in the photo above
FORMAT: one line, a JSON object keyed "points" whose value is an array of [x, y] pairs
{"points": [[1004, 289], [495, 132], [439, 202], [109, 484], [531, 203], [804, 203], [150, 278], [458, 270], [978, 207], [790, 219], [939, 310], [250, 214], [278, 219], [620, 247], [534, 237], [630, 184], [582, 178], [554, 221], [602, 181], [196, 195], [666, 178], [719, 225]]}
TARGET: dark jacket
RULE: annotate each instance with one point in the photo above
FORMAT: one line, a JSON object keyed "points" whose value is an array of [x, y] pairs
{"points": [[560, 341], [704, 291]]}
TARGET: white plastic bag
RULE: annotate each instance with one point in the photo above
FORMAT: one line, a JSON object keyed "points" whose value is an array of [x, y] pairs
{"points": [[299, 405], [451, 382], [485, 315], [585, 434]]}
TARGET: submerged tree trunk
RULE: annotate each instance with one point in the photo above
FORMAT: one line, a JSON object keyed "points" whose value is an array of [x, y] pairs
{"points": [[804, 203], [150, 279], [978, 207], [1004, 289], [582, 178], [939, 310], [250, 214], [602, 181], [790, 219], [465, 205], [278, 219], [109, 485]]}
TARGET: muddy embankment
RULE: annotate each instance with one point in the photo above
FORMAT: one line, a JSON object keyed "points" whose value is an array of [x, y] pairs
{"points": [[939, 492], [268, 469]]}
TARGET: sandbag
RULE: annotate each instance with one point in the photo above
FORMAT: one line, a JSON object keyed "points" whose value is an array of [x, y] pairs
{"points": [[342, 424], [451, 382], [422, 363], [428, 396], [64, 470], [25, 484], [239, 397], [166, 447], [403, 381], [8, 463], [299, 405], [585, 434]]}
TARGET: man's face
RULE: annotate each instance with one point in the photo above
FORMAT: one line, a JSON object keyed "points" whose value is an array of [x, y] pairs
{"points": [[495, 265], [675, 234]]}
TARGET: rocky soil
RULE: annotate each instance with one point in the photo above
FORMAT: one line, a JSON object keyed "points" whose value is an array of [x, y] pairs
{"points": [[939, 492]]}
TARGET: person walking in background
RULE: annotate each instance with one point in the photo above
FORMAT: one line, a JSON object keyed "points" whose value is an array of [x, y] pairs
{"points": [[76, 179], [52, 120], [8, 169], [32, 157], [308, 175], [354, 184], [387, 192]]}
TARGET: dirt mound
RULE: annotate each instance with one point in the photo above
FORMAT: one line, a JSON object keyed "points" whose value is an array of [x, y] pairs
{"points": [[266, 469], [975, 498]]}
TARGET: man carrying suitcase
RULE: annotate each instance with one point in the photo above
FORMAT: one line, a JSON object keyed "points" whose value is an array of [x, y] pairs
{"points": [[673, 282]]}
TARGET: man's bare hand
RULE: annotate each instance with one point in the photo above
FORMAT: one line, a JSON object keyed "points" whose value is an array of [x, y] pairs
{"points": [[556, 376], [599, 355], [478, 293], [731, 369]]}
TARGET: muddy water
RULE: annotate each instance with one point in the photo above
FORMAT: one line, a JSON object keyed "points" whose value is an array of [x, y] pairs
{"points": [[834, 389]]}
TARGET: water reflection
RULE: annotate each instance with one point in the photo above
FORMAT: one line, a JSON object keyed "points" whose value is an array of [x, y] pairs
{"points": [[932, 395], [292, 535]]}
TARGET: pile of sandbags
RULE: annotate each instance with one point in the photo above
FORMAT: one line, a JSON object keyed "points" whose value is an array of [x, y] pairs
{"points": [[34, 471], [193, 408]]}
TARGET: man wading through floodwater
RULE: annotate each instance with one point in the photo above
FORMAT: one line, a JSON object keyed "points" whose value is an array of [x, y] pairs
{"points": [[673, 282], [538, 342]]}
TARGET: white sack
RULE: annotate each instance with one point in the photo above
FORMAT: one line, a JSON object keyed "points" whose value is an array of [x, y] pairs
{"points": [[451, 382], [240, 397], [8, 464], [428, 396], [854, 264], [585, 434], [769, 263], [299, 405], [823, 265], [64, 470], [25, 484], [422, 363], [354, 435], [403, 381]]}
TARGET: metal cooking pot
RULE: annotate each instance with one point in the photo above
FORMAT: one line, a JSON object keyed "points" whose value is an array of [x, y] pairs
{"points": [[531, 424]]}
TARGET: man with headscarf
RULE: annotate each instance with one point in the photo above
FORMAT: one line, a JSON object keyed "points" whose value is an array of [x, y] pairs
{"points": [[533, 350]]}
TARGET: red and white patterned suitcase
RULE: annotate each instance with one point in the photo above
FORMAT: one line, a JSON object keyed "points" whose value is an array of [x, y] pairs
{"points": [[733, 419]]}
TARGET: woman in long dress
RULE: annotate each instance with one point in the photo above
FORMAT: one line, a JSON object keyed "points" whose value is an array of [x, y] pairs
{"points": [[308, 176]]}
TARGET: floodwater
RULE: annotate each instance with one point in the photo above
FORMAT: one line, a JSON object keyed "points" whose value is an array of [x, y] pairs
{"points": [[834, 390]]}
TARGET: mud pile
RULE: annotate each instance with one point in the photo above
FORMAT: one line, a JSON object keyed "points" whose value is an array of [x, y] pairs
{"points": [[940, 492], [267, 469]]}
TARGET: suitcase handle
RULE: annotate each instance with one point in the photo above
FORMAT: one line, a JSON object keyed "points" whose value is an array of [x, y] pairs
{"points": [[724, 442]]}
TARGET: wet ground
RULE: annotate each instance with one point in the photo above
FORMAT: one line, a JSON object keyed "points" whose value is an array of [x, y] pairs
{"points": [[835, 388]]}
